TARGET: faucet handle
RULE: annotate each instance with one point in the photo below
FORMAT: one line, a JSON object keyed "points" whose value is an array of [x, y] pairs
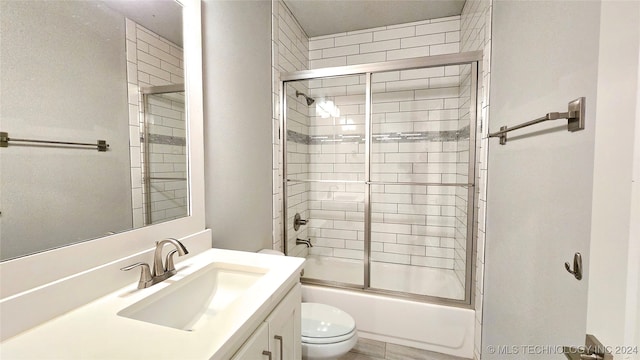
{"points": [[169, 265], [145, 274]]}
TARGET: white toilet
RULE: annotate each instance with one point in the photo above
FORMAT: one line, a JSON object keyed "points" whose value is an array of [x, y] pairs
{"points": [[327, 332]]}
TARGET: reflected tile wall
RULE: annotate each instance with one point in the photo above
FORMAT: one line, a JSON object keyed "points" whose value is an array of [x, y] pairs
{"points": [[153, 60]]}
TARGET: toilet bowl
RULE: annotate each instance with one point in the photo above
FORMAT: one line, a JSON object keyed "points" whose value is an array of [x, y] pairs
{"points": [[327, 332]]}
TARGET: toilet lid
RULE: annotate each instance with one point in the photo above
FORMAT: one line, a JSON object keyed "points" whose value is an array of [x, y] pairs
{"points": [[320, 321]]}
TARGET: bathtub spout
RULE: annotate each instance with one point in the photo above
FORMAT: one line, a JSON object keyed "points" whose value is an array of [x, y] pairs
{"points": [[304, 242]]}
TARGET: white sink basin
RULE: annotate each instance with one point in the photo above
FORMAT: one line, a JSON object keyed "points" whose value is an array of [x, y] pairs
{"points": [[197, 298]]}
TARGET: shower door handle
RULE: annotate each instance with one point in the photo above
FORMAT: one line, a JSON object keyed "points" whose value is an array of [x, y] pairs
{"points": [[577, 266]]}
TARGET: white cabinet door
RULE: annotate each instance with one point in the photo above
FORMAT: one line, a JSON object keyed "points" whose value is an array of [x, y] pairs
{"points": [[256, 347], [284, 327]]}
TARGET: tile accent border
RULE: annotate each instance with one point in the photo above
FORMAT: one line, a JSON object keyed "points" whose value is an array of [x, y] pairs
{"points": [[414, 136]]}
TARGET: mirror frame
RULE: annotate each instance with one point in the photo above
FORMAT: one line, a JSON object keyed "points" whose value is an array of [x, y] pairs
{"points": [[28, 272]]}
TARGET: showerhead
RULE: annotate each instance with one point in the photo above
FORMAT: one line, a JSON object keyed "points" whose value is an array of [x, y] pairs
{"points": [[310, 100]]}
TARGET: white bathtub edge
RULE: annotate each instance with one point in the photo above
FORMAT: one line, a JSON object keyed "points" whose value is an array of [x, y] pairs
{"points": [[443, 329]]}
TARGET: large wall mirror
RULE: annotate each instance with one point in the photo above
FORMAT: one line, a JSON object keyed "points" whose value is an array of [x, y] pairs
{"points": [[84, 72]]}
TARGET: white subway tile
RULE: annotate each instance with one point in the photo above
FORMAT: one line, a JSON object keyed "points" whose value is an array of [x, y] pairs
{"points": [[408, 53], [453, 36], [432, 262], [377, 108], [315, 44], [378, 207], [384, 177], [440, 252], [328, 242], [381, 147], [390, 258], [407, 116], [152, 70], [439, 93], [370, 30], [424, 40], [404, 189], [391, 228], [422, 73], [354, 244], [366, 58], [438, 27], [380, 46], [404, 249], [406, 157], [349, 225], [385, 76], [404, 219], [394, 33], [436, 126], [422, 178], [354, 39], [316, 250], [418, 240], [330, 62], [439, 168], [348, 254], [451, 48], [419, 209], [407, 85], [442, 157], [381, 237], [164, 56], [391, 168], [324, 214], [422, 105], [349, 168], [447, 243], [451, 103], [341, 80], [315, 54], [340, 51], [152, 40], [448, 221]]}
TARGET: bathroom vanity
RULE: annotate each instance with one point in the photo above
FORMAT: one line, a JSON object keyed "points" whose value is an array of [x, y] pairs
{"points": [[221, 304]]}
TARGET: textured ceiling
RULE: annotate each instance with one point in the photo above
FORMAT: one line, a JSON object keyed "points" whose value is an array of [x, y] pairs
{"points": [[323, 17], [164, 17]]}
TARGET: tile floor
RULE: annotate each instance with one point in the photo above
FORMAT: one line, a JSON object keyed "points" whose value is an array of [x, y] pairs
{"points": [[377, 350]]}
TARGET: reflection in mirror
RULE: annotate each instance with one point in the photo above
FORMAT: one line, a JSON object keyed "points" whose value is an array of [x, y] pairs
{"points": [[73, 71], [165, 185]]}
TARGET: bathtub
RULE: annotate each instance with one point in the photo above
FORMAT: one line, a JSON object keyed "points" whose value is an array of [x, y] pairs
{"points": [[444, 329]]}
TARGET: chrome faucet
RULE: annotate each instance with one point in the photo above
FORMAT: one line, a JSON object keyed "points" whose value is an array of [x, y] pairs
{"points": [[160, 272]]}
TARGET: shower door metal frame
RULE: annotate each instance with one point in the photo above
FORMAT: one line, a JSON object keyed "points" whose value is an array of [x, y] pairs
{"points": [[474, 59]]}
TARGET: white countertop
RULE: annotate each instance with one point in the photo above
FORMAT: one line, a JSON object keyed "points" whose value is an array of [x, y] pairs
{"points": [[95, 331]]}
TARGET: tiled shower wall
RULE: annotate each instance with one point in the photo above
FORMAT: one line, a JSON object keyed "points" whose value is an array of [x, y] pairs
{"points": [[476, 35], [151, 61], [410, 224], [290, 52]]}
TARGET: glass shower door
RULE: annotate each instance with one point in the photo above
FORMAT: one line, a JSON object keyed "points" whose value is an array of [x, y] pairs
{"points": [[419, 180], [324, 172]]}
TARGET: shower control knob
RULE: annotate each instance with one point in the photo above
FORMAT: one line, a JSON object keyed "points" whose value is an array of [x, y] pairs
{"points": [[298, 221]]}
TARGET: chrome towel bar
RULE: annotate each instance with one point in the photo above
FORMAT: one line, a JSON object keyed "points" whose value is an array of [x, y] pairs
{"points": [[575, 120], [101, 145]]}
